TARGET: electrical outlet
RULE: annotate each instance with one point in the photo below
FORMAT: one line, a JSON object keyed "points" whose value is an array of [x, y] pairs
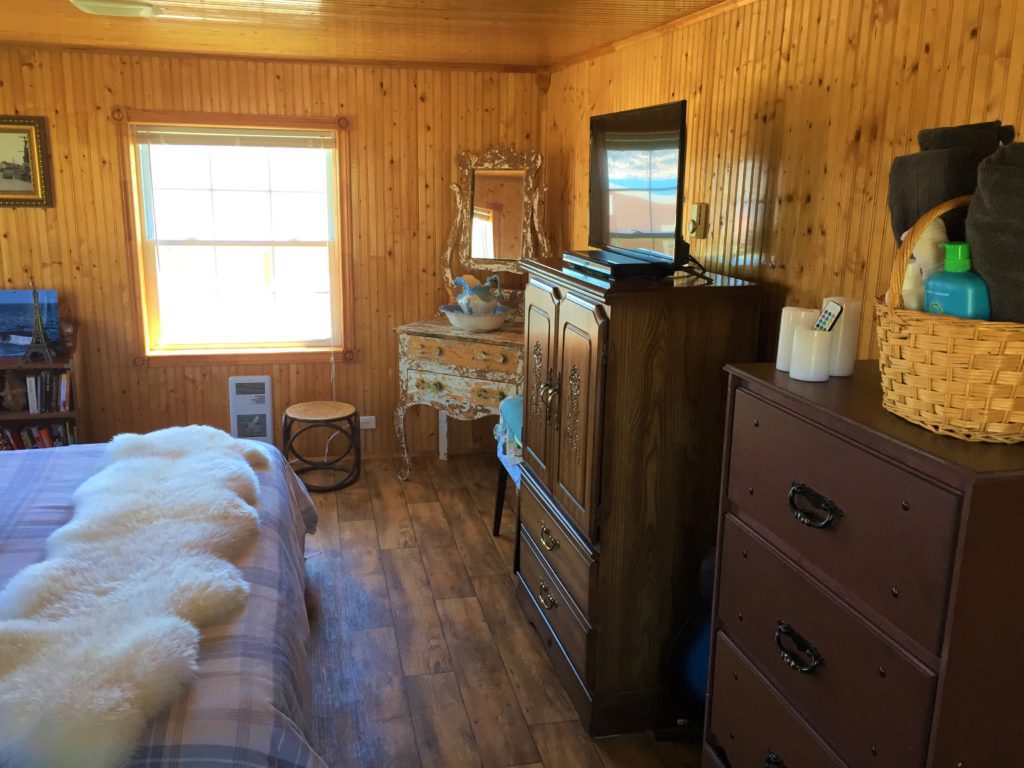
{"points": [[367, 422]]}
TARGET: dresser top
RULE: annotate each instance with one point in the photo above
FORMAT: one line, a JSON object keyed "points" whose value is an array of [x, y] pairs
{"points": [[440, 328], [857, 400]]}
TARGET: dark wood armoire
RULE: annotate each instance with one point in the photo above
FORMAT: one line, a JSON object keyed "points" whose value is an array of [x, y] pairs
{"points": [[622, 446]]}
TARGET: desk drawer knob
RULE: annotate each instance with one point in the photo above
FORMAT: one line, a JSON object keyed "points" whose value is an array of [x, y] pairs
{"points": [[821, 513], [773, 760], [804, 657]]}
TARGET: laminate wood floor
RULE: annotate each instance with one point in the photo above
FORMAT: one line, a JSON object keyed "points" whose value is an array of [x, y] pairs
{"points": [[420, 654]]}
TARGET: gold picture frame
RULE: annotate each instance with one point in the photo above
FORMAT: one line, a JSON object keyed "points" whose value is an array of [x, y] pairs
{"points": [[24, 162]]}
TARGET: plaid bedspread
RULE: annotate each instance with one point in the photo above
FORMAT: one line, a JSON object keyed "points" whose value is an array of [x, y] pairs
{"points": [[246, 708]]}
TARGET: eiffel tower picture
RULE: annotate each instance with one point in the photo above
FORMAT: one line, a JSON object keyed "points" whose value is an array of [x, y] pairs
{"points": [[39, 347]]}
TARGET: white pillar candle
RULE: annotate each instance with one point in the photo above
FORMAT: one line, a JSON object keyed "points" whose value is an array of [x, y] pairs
{"points": [[811, 350], [792, 318], [846, 332]]}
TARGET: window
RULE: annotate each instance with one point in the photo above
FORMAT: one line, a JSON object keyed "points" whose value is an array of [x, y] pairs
{"points": [[483, 234], [238, 230]]}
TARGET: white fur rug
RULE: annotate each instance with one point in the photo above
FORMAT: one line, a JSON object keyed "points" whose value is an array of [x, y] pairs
{"points": [[104, 633]]}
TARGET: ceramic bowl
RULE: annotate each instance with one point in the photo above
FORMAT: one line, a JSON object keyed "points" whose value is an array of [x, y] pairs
{"points": [[478, 323]]}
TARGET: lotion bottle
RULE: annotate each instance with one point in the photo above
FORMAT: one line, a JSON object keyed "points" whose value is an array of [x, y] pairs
{"points": [[957, 291]]}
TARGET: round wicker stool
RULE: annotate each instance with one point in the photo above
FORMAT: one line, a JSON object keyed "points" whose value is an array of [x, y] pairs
{"points": [[342, 419]]}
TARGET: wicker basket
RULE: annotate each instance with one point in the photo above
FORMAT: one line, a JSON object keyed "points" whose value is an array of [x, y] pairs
{"points": [[962, 378]]}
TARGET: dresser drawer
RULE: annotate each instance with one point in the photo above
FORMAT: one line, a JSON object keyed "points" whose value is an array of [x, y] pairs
{"points": [[778, 461], [750, 723], [566, 622], [871, 702], [460, 357], [457, 392], [560, 548]]}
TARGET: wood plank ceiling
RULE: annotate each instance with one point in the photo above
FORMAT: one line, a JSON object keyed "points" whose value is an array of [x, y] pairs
{"points": [[514, 34]]}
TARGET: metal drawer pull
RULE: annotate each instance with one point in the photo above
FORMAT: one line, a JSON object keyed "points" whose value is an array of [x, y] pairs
{"points": [[547, 541], [791, 657], [773, 760], [550, 395], [817, 502], [545, 597], [424, 348], [483, 356]]}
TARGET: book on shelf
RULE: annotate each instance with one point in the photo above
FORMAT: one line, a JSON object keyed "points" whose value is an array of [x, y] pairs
{"points": [[48, 391], [37, 436]]}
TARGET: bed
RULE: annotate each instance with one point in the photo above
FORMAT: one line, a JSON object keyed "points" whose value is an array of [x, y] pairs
{"points": [[247, 706]]}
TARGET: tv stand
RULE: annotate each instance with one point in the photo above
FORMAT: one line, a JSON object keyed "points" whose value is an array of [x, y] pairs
{"points": [[623, 422]]}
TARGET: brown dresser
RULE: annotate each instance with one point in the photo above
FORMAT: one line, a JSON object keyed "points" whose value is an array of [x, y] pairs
{"points": [[866, 600], [623, 416]]}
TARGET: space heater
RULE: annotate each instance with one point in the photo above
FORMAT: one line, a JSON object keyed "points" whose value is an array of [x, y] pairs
{"points": [[252, 407]]}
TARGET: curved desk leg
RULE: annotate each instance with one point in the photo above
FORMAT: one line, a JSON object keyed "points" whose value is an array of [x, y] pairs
{"points": [[403, 471]]}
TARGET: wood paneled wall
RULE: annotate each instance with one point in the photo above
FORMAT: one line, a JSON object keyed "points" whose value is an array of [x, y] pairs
{"points": [[796, 109], [407, 126]]}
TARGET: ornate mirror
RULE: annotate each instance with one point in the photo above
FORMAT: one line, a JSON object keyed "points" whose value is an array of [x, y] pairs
{"points": [[498, 201]]}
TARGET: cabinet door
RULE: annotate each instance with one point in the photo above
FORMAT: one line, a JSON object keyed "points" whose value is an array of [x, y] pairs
{"points": [[538, 414], [580, 381]]}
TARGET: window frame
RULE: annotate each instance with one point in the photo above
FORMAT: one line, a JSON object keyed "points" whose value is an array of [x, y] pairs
{"points": [[143, 258]]}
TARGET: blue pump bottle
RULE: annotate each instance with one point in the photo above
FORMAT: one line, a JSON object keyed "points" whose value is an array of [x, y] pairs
{"points": [[957, 291]]}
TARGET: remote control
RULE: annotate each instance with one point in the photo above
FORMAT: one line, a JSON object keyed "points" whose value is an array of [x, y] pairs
{"points": [[829, 316]]}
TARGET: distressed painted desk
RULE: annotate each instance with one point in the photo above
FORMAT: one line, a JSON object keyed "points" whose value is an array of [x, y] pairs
{"points": [[462, 374]]}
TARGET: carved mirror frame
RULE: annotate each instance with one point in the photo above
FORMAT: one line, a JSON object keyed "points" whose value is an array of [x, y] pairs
{"points": [[535, 243]]}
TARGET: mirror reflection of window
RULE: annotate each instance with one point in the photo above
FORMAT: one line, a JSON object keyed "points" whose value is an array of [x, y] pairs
{"points": [[498, 193], [483, 233]]}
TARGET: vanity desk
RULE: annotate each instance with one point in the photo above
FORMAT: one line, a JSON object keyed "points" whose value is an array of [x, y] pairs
{"points": [[466, 374], [462, 374]]}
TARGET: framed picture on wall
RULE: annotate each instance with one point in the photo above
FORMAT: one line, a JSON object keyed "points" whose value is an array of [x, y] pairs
{"points": [[24, 161]]}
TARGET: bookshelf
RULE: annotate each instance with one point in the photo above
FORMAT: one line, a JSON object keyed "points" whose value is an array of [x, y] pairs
{"points": [[49, 417]]}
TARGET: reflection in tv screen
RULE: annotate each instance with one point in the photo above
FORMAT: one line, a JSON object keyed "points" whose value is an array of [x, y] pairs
{"points": [[642, 188]]}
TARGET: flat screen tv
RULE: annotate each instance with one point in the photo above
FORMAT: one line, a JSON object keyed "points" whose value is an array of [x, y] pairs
{"points": [[637, 161]]}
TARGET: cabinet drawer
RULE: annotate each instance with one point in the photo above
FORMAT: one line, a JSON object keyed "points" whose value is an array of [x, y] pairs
{"points": [[455, 393], [891, 546], [750, 723], [870, 701], [566, 622], [560, 548], [428, 353]]}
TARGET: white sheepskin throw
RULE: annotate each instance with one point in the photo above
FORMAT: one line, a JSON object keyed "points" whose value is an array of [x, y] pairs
{"points": [[104, 633]]}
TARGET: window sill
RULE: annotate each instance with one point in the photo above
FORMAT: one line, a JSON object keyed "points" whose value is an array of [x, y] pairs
{"points": [[269, 356]]}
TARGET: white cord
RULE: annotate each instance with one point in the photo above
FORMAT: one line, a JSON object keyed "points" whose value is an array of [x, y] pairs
{"points": [[334, 397]]}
